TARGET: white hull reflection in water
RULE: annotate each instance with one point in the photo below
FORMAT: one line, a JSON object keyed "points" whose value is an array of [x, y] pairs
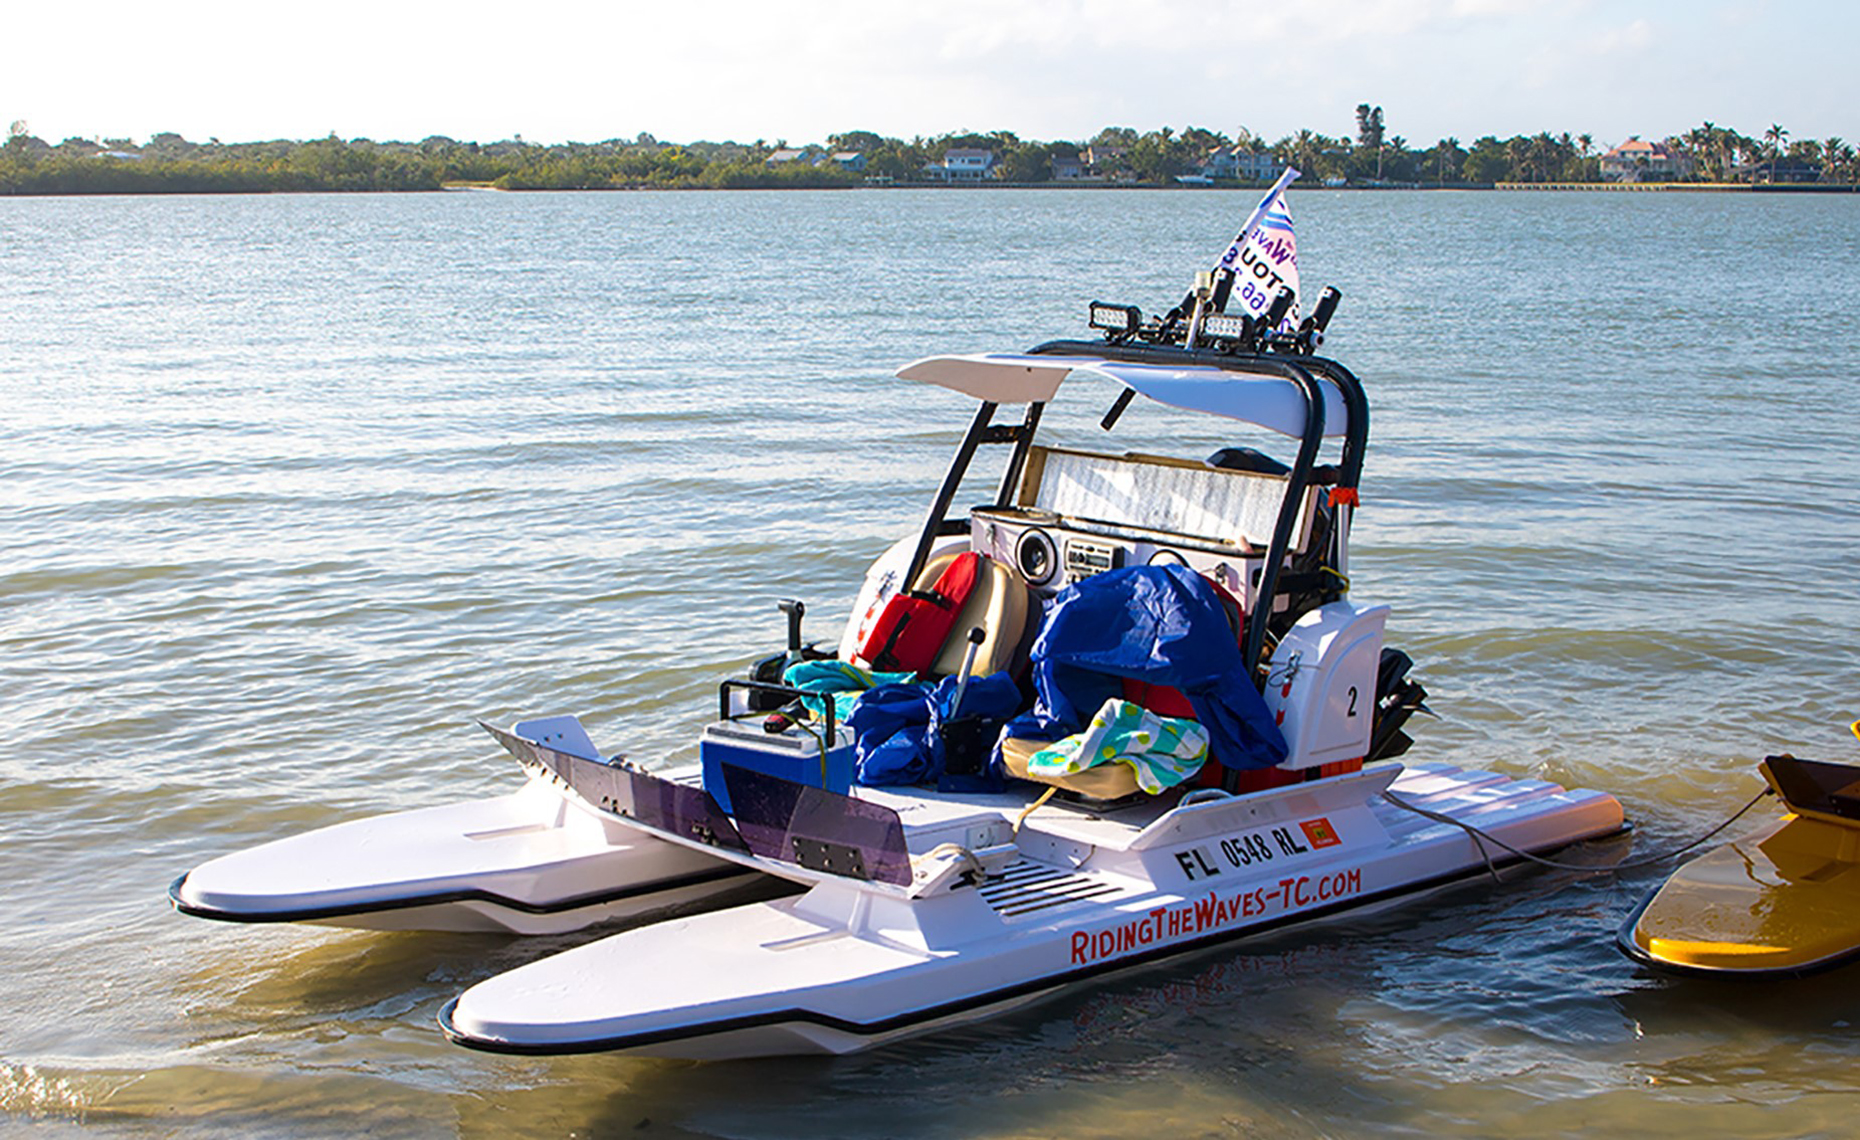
{"points": [[300, 485]]}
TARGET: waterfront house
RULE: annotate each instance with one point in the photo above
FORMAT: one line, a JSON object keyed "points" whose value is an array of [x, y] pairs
{"points": [[1255, 165], [1786, 168], [1637, 160], [784, 154], [849, 160], [1107, 161], [1068, 168], [1234, 162], [968, 164], [1220, 162]]}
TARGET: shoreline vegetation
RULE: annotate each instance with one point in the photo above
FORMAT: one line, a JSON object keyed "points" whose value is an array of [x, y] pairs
{"points": [[1707, 158]]}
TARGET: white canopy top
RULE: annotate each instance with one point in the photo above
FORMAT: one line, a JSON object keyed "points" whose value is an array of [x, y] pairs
{"points": [[1271, 402]]}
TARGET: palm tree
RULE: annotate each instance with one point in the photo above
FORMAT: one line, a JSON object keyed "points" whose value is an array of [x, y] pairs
{"points": [[1369, 131], [1775, 136], [1832, 156], [1741, 149], [1696, 144], [1306, 151], [1806, 152], [1518, 155], [1444, 149], [1719, 144]]}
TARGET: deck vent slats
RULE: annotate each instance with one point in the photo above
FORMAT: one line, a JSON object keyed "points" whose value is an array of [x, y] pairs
{"points": [[1024, 888]]}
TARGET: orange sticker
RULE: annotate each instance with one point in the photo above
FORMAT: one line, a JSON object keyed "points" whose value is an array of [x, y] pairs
{"points": [[1320, 832]]}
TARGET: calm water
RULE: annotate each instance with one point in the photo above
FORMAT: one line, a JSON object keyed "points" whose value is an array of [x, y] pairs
{"points": [[291, 488]]}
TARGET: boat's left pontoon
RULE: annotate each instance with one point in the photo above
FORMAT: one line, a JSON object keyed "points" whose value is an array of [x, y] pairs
{"points": [[530, 862]]}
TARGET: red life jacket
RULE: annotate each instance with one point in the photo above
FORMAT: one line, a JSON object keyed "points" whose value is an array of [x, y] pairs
{"points": [[911, 629]]}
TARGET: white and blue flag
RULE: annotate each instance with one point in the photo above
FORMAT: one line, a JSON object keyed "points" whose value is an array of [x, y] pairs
{"points": [[1264, 257]]}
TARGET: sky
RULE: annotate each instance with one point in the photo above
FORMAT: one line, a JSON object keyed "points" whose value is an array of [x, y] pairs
{"points": [[553, 71]]}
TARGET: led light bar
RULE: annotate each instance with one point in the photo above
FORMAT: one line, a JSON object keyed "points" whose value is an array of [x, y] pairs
{"points": [[1225, 327], [1115, 318]]}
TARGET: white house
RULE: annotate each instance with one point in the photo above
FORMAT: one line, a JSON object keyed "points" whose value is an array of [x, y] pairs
{"points": [[967, 164], [1638, 161], [1230, 162], [1220, 162], [1255, 165]]}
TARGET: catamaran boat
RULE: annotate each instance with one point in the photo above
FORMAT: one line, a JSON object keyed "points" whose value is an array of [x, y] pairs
{"points": [[948, 845]]}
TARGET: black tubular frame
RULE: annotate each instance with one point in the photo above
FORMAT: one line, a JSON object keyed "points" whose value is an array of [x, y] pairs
{"points": [[1355, 400], [952, 479], [1017, 463], [982, 429], [1303, 371]]}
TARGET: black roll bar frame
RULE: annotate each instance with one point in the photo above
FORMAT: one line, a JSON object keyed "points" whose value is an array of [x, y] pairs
{"points": [[1303, 371]]}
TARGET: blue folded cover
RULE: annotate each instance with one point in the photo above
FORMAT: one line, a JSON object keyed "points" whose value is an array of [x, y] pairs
{"points": [[895, 726], [1160, 624]]}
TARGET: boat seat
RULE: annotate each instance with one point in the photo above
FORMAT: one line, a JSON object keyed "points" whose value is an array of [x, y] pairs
{"points": [[1000, 605], [1103, 782]]}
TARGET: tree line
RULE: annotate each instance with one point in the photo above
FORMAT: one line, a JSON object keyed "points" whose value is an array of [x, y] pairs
{"points": [[168, 163]]}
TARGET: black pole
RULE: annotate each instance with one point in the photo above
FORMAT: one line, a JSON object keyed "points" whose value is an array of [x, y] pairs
{"points": [[1023, 443], [1289, 509], [952, 480]]}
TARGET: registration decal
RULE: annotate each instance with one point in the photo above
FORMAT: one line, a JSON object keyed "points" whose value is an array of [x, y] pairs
{"points": [[1256, 848]]}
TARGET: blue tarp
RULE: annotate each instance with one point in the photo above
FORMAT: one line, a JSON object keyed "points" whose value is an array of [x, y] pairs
{"points": [[1160, 624], [895, 726]]}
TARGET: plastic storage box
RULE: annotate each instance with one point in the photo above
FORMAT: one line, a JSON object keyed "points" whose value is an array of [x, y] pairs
{"points": [[792, 754]]}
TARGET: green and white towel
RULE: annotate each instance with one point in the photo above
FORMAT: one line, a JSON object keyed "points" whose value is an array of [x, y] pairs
{"points": [[1162, 750]]}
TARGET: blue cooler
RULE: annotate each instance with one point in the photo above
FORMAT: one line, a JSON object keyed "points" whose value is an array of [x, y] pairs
{"points": [[791, 754]]}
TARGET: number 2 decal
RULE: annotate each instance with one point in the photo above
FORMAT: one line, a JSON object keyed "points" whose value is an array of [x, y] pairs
{"points": [[1352, 711]]}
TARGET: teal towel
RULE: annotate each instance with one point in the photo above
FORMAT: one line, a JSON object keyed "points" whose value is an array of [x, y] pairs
{"points": [[846, 684]]}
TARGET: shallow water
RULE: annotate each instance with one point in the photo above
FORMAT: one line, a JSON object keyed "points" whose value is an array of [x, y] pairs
{"points": [[293, 487]]}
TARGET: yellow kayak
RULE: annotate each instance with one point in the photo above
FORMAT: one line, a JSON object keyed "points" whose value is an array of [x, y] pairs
{"points": [[1780, 902]]}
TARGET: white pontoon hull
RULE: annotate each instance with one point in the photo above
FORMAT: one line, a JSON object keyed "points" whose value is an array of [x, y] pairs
{"points": [[531, 862], [1054, 910]]}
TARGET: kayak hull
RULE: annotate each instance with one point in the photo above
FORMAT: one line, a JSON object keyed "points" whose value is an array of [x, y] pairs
{"points": [[1781, 902]]}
